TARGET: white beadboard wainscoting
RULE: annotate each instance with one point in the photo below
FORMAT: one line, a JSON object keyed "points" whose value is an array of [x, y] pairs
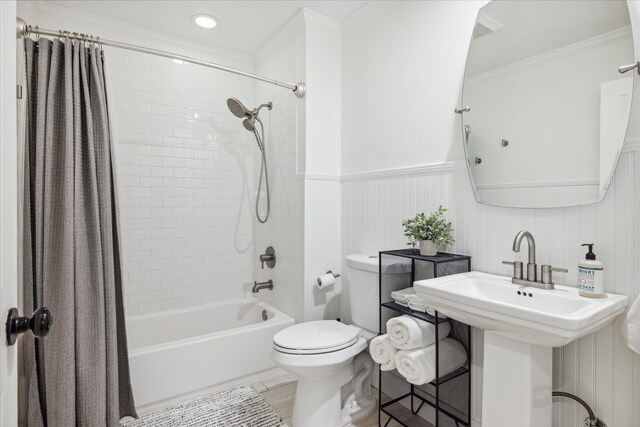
{"points": [[599, 368]]}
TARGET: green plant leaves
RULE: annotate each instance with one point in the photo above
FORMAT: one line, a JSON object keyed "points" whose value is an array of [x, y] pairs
{"points": [[429, 227]]}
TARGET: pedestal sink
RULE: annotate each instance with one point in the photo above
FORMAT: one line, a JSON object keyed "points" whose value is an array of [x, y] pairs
{"points": [[522, 324]]}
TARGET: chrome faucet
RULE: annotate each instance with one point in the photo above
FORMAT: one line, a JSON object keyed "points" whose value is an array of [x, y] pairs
{"points": [[532, 269], [257, 287]]}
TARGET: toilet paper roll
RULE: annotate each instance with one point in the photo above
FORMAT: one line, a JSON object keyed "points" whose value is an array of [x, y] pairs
{"points": [[325, 280]]}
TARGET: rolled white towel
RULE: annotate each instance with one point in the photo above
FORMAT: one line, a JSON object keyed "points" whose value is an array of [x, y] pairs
{"points": [[383, 353], [406, 332], [418, 366]]}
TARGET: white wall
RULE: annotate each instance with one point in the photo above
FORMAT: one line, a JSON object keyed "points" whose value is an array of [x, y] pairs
{"points": [[399, 59], [414, 54], [322, 166], [280, 58], [185, 178], [184, 165], [304, 155]]}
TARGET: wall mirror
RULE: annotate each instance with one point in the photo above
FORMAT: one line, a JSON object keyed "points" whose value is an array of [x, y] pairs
{"points": [[548, 109]]}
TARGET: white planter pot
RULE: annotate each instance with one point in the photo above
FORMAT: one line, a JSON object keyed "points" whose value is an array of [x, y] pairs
{"points": [[428, 248]]}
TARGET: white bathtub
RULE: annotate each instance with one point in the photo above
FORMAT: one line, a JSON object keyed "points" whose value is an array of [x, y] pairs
{"points": [[181, 352]]}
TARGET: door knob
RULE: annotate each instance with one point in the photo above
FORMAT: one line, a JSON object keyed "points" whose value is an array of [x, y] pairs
{"points": [[40, 324]]}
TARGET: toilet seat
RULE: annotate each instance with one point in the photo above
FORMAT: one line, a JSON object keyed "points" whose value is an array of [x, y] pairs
{"points": [[316, 337]]}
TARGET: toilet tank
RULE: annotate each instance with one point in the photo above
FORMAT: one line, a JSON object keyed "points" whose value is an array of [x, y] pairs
{"points": [[364, 286]]}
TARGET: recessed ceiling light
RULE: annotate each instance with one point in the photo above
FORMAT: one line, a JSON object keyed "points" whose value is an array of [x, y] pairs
{"points": [[205, 21]]}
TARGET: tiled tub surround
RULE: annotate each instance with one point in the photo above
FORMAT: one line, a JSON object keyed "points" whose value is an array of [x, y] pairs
{"points": [[185, 174], [278, 58]]}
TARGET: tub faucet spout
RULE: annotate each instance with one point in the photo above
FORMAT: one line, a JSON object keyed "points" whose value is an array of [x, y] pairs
{"points": [[257, 287]]}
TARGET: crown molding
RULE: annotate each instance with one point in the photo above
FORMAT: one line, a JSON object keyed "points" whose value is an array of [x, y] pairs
{"points": [[283, 35], [320, 21], [572, 49], [363, 15]]}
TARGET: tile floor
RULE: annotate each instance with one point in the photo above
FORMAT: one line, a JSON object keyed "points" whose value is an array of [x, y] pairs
{"points": [[280, 389]]}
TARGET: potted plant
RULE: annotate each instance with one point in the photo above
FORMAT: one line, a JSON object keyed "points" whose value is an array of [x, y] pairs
{"points": [[430, 231]]}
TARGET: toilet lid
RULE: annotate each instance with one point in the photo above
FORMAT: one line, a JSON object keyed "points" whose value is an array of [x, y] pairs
{"points": [[320, 336]]}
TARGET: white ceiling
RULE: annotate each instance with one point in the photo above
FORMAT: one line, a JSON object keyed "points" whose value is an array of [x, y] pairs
{"points": [[244, 25], [530, 28]]}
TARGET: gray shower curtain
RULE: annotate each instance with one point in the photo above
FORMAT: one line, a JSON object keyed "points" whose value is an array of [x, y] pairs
{"points": [[78, 374]]}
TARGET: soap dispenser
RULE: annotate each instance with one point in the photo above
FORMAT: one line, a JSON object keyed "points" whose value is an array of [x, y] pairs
{"points": [[590, 275]]}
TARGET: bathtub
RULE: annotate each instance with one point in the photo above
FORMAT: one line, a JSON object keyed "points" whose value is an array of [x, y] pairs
{"points": [[181, 353]]}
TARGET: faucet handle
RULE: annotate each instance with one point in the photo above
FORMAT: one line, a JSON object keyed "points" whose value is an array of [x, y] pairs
{"points": [[547, 271], [268, 257], [517, 268]]}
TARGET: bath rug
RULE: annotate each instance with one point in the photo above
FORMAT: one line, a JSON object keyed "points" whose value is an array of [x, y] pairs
{"points": [[239, 406]]}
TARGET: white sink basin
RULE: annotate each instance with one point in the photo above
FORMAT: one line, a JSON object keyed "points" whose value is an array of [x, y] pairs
{"points": [[521, 325], [549, 318]]}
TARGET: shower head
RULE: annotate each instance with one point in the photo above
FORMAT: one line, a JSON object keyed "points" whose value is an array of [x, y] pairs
{"points": [[237, 108], [249, 124]]}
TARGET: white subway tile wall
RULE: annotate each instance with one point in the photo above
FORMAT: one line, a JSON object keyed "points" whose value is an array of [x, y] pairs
{"points": [[184, 170], [282, 229]]}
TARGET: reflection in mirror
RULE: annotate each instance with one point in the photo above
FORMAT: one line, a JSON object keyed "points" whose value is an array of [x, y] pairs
{"points": [[548, 108]]}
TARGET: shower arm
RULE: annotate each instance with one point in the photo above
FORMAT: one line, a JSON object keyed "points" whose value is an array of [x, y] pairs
{"points": [[269, 106], [24, 30]]}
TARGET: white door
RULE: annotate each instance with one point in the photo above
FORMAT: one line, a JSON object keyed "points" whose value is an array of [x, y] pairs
{"points": [[8, 210]]}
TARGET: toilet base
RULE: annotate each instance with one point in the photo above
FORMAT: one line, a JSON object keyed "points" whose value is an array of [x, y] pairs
{"points": [[318, 402], [356, 410], [330, 391]]}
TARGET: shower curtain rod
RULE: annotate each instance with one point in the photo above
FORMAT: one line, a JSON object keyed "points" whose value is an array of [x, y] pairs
{"points": [[24, 30]]}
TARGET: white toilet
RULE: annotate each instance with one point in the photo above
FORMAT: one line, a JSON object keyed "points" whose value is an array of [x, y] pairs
{"points": [[334, 371]]}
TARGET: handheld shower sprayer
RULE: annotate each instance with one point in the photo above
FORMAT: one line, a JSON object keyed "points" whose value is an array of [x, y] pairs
{"points": [[250, 117]]}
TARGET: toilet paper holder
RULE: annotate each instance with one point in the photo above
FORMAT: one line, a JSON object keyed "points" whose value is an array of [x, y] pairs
{"points": [[320, 278]]}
